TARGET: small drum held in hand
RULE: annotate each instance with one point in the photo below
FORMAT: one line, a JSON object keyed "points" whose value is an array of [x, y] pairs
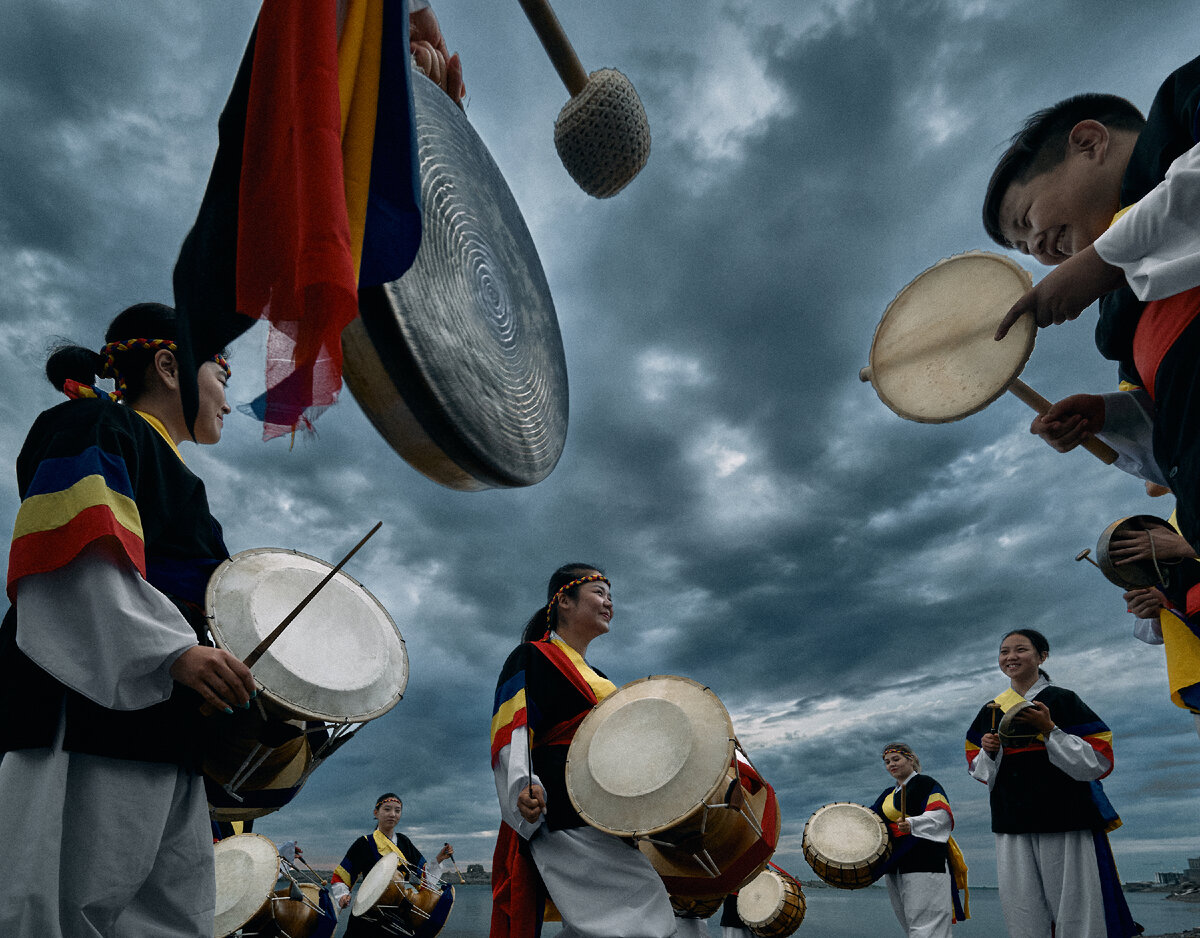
{"points": [[772, 904], [340, 663], [1140, 573], [846, 844], [658, 761], [1013, 732], [398, 907]]}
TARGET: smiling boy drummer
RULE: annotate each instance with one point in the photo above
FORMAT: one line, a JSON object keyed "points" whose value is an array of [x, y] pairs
{"points": [[1053, 195]]}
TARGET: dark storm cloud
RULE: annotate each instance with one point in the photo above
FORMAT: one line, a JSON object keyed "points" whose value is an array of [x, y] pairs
{"points": [[840, 577]]}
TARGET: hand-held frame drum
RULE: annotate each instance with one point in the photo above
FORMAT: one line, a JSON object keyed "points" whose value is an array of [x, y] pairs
{"points": [[934, 358], [602, 135], [459, 364], [658, 761], [846, 844], [772, 904]]}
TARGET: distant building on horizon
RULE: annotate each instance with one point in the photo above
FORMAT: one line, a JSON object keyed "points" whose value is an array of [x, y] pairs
{"points": [[1190, 875]]}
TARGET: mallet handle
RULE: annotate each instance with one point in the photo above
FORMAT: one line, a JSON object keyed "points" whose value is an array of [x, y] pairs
{"points": [[557, 45], [1098, 448]]}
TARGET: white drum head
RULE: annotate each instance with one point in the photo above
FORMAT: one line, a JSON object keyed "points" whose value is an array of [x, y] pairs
{"points": [[648, 755], [341, 660], [247, 867], [933, 359], [378, 878], [760, 900], [846, 833]]}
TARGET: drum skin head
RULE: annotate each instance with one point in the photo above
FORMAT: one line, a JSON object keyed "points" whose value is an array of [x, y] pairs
{"points": [[377, 879], [1129, 576], [459, 364], [843, 841], [247, 867], [648, 755], [341, 660], [933, 358], [771, 905]]}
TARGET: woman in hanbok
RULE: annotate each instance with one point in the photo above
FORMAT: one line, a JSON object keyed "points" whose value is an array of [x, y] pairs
{"points": [[601, 885]]}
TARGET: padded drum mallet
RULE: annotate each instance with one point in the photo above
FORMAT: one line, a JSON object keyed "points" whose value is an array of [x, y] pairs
{"points": [[601, 134]]}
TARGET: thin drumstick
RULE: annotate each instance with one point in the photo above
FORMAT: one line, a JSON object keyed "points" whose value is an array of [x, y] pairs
{"points": [[1098, 448], [252, 659], [461, 878]]}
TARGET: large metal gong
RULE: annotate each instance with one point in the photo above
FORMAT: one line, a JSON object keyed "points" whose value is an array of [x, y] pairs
{"points": [[459, 363]]}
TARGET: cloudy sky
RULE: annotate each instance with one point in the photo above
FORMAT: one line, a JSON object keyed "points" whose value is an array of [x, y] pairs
{"points": [[839, 577]]}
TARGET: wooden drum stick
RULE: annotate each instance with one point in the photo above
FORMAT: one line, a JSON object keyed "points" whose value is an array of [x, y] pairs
{"points": [[260, 649]]}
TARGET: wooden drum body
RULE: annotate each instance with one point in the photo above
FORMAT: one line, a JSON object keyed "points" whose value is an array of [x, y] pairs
{"points": [[846, 844], [340, 663], [772, 904], [658, 761]]}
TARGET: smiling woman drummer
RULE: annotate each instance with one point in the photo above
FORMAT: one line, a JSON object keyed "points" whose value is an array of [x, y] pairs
{"points": [[103, 665], [924, 856], [602, 886], [1049, 814]]}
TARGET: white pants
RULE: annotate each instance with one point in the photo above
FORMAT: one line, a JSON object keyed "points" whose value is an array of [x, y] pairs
{"points": [[922, 903], [1048, 878], [103, 848], [603, 887]]}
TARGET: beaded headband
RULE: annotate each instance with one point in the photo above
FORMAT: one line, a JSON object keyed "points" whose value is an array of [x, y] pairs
{"points": [[902, 750], [591, 578], [109, 353], [387, 799]]}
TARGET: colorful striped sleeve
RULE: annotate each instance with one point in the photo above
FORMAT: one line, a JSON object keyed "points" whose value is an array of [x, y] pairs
{"points": [[71, 502], [937, 801], [510, 710]]}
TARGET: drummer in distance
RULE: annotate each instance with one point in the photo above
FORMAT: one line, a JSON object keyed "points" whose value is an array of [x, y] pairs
{"points": [[1054, 194], [1050, 816], [602, 885], [925, 863], [366, 851]]}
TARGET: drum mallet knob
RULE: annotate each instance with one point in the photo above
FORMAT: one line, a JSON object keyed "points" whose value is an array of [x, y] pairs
{"points": [[602, 135], [1085, 554]]}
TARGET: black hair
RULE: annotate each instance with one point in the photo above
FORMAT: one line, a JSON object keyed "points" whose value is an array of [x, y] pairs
{"points": [[142, 320], [535, 628], [385, 796], [1041, 144], [1039, 642]]}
